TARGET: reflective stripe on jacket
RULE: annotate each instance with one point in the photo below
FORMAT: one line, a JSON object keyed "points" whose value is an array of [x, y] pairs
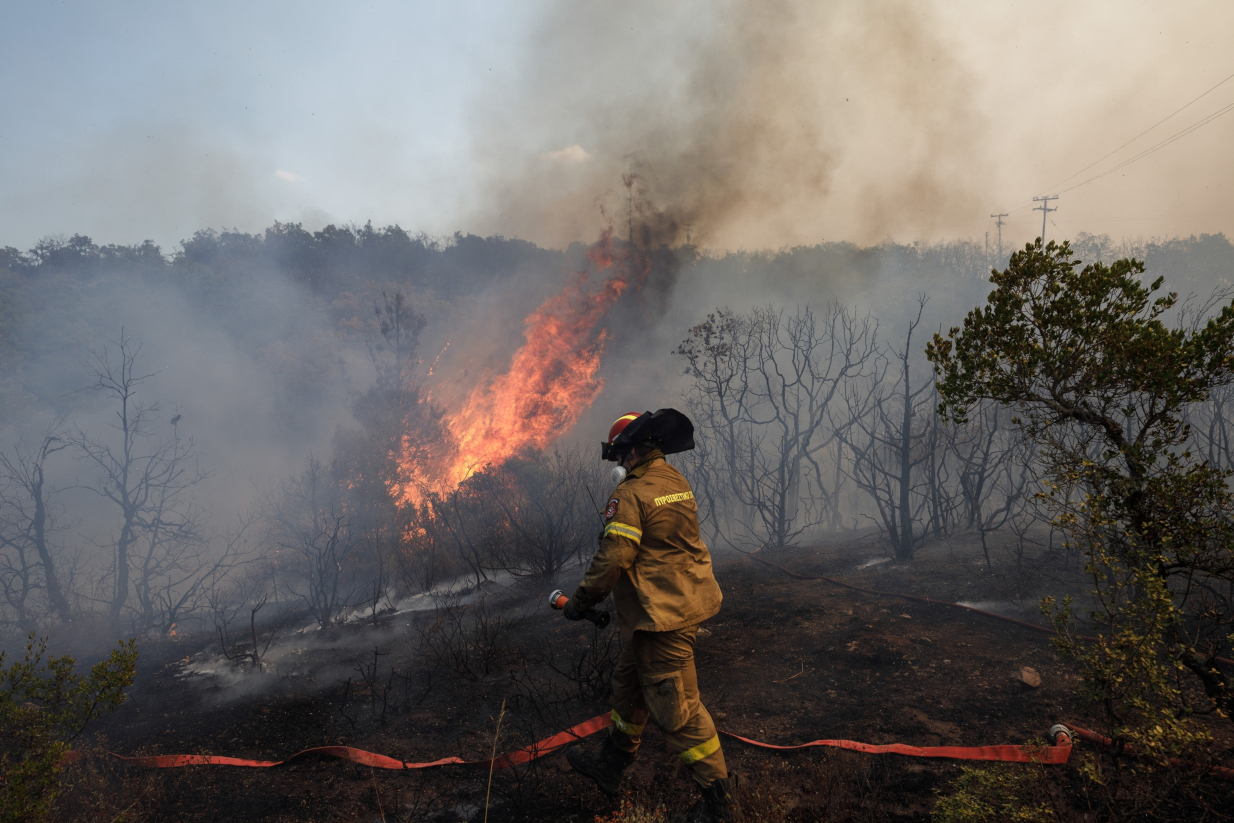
{"points": [[651, 556]]}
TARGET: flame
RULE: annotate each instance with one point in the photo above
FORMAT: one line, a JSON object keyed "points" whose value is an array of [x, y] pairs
{"points": [[552, 379]]}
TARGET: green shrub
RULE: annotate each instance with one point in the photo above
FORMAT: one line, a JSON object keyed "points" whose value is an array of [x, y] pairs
{"points": [[44, 706], [993, 794], [1104, 388]]}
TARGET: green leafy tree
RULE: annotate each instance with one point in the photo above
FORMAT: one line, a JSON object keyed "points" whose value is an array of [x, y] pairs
{"points": [[44, 706], [1100, 382]]}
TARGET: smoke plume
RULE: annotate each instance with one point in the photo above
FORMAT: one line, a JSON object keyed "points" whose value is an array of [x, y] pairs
{"points": [[743, 125]]}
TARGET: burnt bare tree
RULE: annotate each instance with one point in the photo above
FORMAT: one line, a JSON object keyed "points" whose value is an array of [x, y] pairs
{"points": [[176, 577], [707, 476], [541, 501], [424, 556], [994, 480], [894, 435], [1210, 423], [981, 448], [324, 585], [147, 476], [1212, 428], [225, 607], [474, 529], [381, 565], [27, 526], [528, 517], [999, 479], [1018, 511], [718, 352], [470, 641], [766, 387], [313, 532]]}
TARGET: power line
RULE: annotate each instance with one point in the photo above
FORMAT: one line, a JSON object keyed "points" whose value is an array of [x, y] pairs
{"points": [[1024, 203], [1187, 216], [1141, 134], [1161, 145]]}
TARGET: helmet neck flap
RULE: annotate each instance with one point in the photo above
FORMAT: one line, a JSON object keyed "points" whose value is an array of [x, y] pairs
{"points": [[668, 430]]}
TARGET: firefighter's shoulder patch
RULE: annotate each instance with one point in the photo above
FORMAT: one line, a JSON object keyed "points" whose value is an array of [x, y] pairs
{"points": [[611, 511]]}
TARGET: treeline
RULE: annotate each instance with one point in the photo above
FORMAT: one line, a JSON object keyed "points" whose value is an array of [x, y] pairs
{"points": [[336, 259], [336, 263], [327, 261]]}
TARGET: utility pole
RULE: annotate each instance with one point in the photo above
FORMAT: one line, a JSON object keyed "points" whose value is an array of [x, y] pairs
{"points": [[1000, 217], [628, 180], [688, 227], [1045, 210], [630, 215]]}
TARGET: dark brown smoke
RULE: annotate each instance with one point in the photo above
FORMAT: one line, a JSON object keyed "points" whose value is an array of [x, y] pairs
{"points": [[745, 124]]}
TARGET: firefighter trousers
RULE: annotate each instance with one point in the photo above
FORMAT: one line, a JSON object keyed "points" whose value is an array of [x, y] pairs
{"points": [[655, 679]]}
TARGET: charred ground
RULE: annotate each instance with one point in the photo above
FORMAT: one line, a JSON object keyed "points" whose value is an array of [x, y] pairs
{"points": [[786, 661]]}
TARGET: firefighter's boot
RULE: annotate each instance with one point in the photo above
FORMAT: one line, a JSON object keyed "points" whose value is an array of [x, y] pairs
{"points": [[719, 805], [605, 766]]}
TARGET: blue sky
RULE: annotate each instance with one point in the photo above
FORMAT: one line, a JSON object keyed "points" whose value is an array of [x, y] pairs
{"points": [[768, 123], [119, 101]]}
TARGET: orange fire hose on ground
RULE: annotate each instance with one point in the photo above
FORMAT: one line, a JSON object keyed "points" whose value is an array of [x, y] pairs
{"points": [[378, 761], [1055, 755], [1051, 755]]}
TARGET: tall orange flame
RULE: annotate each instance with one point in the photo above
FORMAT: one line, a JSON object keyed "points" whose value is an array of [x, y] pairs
{"points": [[553, 377]]}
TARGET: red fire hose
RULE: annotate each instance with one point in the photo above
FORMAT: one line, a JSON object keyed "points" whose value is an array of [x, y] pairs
{"points": [[378, 761], [1101, 740], [1052, 755], [1055, 755]]}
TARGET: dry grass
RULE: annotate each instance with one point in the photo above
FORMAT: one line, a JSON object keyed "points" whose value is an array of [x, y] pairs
{"points": [[635, 811]]}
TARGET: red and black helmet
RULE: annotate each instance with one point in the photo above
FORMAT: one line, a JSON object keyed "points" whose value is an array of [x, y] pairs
{"points": [[668, 430], [620, 425]]}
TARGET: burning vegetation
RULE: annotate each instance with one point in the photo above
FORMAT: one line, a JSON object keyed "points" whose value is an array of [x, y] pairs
{"points": [[551, 379]]}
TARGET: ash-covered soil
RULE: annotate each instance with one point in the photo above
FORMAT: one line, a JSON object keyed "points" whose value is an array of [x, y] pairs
{"points": [[786, 661]]}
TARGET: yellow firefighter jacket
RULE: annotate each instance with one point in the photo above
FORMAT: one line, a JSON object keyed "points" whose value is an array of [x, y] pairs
{"points": [[651, 556]]}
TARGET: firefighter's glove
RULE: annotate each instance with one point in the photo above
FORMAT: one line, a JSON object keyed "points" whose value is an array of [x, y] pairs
{"points": [[571, 612]]}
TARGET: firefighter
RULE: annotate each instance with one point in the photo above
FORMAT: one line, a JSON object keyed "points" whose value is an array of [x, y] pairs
{"points": [[654, 562]]}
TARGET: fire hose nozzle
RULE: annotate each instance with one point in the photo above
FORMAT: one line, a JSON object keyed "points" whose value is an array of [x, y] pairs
{"points": [[1060, 735], [558, 600]]}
